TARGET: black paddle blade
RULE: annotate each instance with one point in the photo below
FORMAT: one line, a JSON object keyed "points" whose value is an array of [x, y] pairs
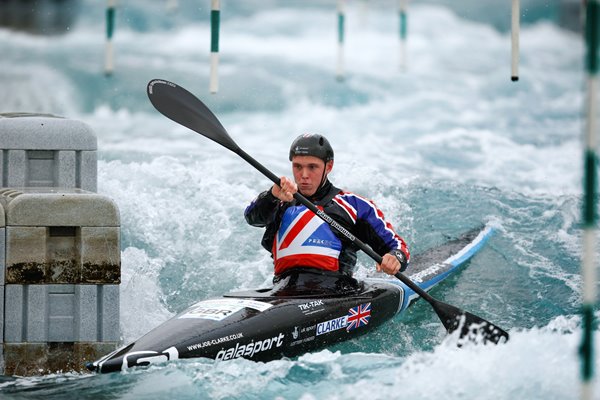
{"points": [[181, 106], [472, 328]]}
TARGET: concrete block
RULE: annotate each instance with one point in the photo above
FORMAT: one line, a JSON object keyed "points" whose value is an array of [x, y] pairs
{"points": [[100, 254], [45, 132], [40, 168], [14, 307], [109, 314], [59, 207], [67, 169], [47, 151], [61, 313], [89, 316], [59, 248], [15, 173], [87, 161], [57, 236], [35, 303], [26, 254]]}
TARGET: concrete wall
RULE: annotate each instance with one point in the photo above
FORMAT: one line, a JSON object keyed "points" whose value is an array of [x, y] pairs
{"points": [[60, 249], [62, 266]]}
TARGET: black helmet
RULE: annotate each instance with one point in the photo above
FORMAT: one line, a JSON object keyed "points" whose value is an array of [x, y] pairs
{"points": [[309, 144]]}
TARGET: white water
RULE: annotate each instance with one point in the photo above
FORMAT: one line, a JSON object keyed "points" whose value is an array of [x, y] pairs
{"points": [[443, 147]]}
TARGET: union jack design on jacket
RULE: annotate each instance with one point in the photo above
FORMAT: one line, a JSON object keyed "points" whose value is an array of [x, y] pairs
{"points": [[298, 238], [303, 239]]}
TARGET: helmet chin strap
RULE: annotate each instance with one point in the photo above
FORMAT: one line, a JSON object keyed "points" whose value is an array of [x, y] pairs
{"points": [[323, 178]]}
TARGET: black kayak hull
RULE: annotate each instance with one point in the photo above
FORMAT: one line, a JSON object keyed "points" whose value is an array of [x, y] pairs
{"points": [[304, 312], [260, 329]]}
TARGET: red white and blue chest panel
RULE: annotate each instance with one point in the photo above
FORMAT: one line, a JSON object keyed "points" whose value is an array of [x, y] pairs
{"points": [[304, 239]]}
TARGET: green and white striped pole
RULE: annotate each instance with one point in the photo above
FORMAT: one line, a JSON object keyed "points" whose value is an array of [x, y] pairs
{"points": [[590, 216], [215, 20], [402, 6], [340, 53], [110, 28], [515, 26]]}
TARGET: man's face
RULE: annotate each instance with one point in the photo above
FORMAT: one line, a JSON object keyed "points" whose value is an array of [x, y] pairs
{"points": [[308, 173]]}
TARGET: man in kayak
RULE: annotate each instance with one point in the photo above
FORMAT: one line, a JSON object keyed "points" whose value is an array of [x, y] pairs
{"points": [[299, 240]]}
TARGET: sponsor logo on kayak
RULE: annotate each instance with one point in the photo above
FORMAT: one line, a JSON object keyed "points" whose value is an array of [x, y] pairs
{"points": [[357, 316], [310, 304], [134, 358], [305, 340], [299, 335], [213, 342], [250, 349], [311, 307], [332, 325], [220, 309]]}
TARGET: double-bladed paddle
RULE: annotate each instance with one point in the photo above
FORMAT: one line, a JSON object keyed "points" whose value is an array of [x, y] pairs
{"points": [[181, 106]]}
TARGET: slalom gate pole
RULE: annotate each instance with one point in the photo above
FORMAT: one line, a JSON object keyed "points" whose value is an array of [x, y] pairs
{"points": [[515, 26], [110, 27], [402, 7], [590, 217], [215, 21], [340, 48]]}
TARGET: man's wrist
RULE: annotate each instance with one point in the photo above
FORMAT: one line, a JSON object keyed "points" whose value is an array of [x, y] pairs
{"points": [[270, 196], [401, 257]]}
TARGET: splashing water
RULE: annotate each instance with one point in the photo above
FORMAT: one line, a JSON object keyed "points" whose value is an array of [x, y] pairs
{"points": [[446, 146]]}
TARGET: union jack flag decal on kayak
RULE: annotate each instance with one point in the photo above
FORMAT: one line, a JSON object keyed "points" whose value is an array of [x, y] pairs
{"points": [[358, 316]]}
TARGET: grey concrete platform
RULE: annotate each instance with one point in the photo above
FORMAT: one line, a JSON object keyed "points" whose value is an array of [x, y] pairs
{"points": [[45, 150], [59, 283], [60, 252]]}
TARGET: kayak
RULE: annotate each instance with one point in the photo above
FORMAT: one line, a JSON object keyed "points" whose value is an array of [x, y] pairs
{"points": [[306, 310]]}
